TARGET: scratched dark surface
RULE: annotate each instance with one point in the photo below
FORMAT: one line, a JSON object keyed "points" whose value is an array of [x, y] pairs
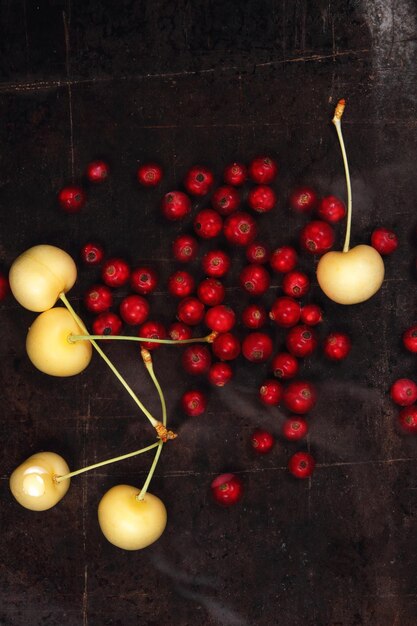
{"points": [[210, 82]]}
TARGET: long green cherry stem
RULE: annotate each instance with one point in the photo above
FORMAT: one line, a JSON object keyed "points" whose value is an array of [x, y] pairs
{"points": [[59, 479], [340, 107], [208, 339], [130, 391]]}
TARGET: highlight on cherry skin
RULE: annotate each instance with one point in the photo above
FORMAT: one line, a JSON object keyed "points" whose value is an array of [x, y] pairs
{"points": [[40, 274], [33, 482], [129, 522], [49, 347]]}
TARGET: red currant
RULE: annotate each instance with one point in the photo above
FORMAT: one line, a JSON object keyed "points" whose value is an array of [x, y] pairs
{"points": [[404, 392], [143, 280], [220, 373], [227, 489], [152, 330], [134, 309], [317, 237], [149, 174], [262, 441], [410, 339], [262, 199], [408, 419], [254, 279], [336, 346], [301, 465], [225, 200], [208, 224], [285, 365], [303, 199], [301, 341], [285, 312], [254, 316], [384, 240], [107, 324], [296, 284], [311, 314], [175, 205], [294, 428], [185, 248], [193, 402], [190, 311], [270, 392], [257, 347], [98, 299], [97, 171], [178, 331], [299, 396], [226, 347], [220, 318], [216, 263], [72, 199], [115, 272], [283, 259], [196, 359], [92, 253], [4, 286], [235, 174], [198, 180], [331, 209], [211, 291], [263, 170], [240, 228], [257, 253], [181, 284]]}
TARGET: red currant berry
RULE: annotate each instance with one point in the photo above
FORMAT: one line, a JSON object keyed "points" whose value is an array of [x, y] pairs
{"points": [[262, 441], [262, 199], [143, 280], [311, 314], [134, 309], [257, 253], [115, 272], [193, 402], [301, 341], [404, 392], [285, 365], [196, 359], [98, 299], [263, 170], [149, 174], [235, 174], [257, 347], [71, 199], [303, 199], [254, 316], [299, 396], [285, 312], [92, 253], [296, 284], [107, 324], [294, 428], [181, 284], [175, 205], [254, 279], [97, 171], [216, 263], [151, 330], [185, 248], [317, 237], [240, 228], [220, 373], [227, 489], [207, 224], [4, 286], [190, 311], [385, 241], [301, 465], [270, 392], [225, 200], [331, 209], [211, 291], [198, 181], [220, 318], [226, 347], [408, 419], [283, 259], [410, 339], [178, 331], [336, 346]]}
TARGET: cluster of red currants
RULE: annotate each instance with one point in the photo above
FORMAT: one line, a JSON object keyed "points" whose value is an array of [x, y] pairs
{"points": [[404, 390]]}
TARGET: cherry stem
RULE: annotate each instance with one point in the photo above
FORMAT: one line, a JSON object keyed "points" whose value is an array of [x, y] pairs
{"points": [[130, 391], [208, 339], [147, 359], [337, 122], [59, 479]]}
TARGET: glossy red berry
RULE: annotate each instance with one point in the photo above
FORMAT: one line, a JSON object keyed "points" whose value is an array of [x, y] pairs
{"points": [[296, 284], [175, 205], [235, 174], [311, 314], [301, 341], [220, 318], [71, 199], [263, 170], [283, 259], [331, 209], [134, 309], [198, 180], [404, 392], [285, 312], [301, 465], [185, 248], [317, 237], [262, 441], [115, 272], [262, 199], [143, 280], [254, 279], [294, 428], [257, 347], [336, 346], [254, 316], [178, 331], [303, 199], [227, 489], [410, 339], [408, 419], [220, 373], [4, 286], [285, 365], [384, 240], [299, 396], [98, 298], [225, 200], [149, 174], [208, 224], [97, 171], [92, 253], [240, 228], [257, 253], [152, 329], [196, 359], [226, 347], [270, 392], [190, 311], [181, 284], [216, 263], [193, 402], [107, 324], [211, 291]]}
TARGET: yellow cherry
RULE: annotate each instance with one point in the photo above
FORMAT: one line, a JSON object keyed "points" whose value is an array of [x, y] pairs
{"points": [[33, 484], [39, 275], [130, 523], [49, 347], [351, 277]]}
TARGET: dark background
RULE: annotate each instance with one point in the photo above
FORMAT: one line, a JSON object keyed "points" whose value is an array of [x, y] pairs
{"points": [[210, 82]]}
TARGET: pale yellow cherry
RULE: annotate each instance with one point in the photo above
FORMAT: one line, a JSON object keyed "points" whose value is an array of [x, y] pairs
{"points": [[40, 274], [130, 523], [33, 482], [353, 276], [50, 348]]}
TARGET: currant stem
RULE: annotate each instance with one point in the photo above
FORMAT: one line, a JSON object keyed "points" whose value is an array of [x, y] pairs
{"points": [[130, 391], [207, 339], [340, 107], [59, 479]]}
